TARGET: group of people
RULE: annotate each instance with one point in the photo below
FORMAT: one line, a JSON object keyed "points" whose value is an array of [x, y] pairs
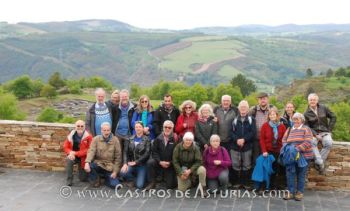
{"points": [[241, 147]]}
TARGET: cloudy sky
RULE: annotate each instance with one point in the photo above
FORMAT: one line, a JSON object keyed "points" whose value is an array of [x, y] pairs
{"points": [[179, 14]]}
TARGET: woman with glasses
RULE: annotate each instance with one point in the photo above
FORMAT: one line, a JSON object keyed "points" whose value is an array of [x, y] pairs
{"points": [[144, 113], [187, 119], [136, 152]]}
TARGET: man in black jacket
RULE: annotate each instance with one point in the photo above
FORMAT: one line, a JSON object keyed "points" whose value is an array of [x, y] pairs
{"points": [[162, 154], [321, 121], [166, 111]]}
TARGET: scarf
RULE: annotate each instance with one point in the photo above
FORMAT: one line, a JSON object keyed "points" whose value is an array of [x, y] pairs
{"points": [[275, 131], [108, 138]]}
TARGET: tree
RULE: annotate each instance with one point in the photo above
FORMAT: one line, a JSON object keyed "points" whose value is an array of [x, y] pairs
{"points": [[135, 91], [246, 86], [49, 115], [22, 87], [37, 86], [341, 131], [56, 81], [300, 103], [198, 94], [340, 72], [48, 91], [329, 73], [181, 95], [9, 109], [309, 73], [97, 81], [222, 89]]}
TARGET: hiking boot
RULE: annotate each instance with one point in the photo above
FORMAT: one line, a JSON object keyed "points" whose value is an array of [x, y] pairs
{"points": [[69, 182], [97, 184], [130, 185], [289, 196], [298, 196], [150, 186]]}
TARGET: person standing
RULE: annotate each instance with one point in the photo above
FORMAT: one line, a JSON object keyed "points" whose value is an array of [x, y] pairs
{"points": [[166, 111], [98, 113]]}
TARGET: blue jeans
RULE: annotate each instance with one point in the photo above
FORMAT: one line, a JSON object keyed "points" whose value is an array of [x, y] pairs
{"points": [[300, 173], [140, 175], [97, 171]]}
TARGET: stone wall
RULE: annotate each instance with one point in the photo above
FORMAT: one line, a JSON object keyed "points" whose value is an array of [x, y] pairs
{"points": [[35, 145]]}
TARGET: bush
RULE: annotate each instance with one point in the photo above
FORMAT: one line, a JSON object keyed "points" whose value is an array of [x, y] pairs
{"points": [[48, 91], [68, 119], [9, 109], [341, 131], [49, 115]]}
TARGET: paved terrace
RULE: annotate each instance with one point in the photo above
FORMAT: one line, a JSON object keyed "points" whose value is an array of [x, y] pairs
{"points": [[43, 190]]}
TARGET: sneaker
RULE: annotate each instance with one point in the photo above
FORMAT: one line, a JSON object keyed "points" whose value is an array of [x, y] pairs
{"points": [[298, 196], [97, 184], [289, 196]]}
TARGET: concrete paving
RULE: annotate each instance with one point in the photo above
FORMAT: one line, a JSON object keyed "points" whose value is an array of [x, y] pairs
{"points": [[39, 190]]}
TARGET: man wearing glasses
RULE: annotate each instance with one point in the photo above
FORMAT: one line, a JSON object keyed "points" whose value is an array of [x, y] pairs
{"points": [[76, 146], [162, 154]]}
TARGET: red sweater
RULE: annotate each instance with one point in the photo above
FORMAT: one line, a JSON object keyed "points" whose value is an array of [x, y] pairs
{"points": [[83, 147], [189, 120], [266, 137]]}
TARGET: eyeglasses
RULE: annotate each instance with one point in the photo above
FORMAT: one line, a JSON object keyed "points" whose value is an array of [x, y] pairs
{"points": [[167, 127], [188, 107], [144, 101], [80, 126]]}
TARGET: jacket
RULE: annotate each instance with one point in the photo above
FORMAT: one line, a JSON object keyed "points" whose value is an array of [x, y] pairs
{"points": [[209, 155], [137, 117], [83, 147], [190, 158], [140, 153], [160, 115], [225, 122], [118, 111], [290, 157], [245, 130], [189, 120], [91, 116], [319, 123], [203, 131], [162, 152], [106, 155], [263, 169], [266, 137]]}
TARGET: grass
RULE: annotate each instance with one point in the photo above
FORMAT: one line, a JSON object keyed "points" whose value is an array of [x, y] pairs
{"points": [[336, 82], [228, 71], [201, 52]]}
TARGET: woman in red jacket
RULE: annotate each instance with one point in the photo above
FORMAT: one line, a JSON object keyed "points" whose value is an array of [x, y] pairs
{"points": [[271, 135], [76, 146], [187, 119]]}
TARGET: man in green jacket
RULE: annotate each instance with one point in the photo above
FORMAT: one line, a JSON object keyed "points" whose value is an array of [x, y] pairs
{"points": [[187, 161]]}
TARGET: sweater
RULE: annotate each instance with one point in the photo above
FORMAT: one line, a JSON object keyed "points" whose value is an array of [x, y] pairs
{"points": [[301, 137]]}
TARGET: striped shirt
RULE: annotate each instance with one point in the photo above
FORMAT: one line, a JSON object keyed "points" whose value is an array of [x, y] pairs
{"points": [[301, 137]]}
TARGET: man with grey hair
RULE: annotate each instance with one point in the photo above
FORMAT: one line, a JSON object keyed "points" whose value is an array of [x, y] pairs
{"points": [[321, 121], [123, 116], [104, 158], [162, 155], [225, 114], [98, 113]]}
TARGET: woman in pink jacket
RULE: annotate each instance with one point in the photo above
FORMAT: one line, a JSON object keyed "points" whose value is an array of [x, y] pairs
{"points": [[216, 161]]}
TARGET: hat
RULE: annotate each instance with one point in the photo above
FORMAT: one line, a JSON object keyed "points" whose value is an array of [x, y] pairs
{"points": [[262, 94]]}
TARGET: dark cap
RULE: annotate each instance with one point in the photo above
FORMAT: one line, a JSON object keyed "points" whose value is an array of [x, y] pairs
{"points": [[262, 94]]}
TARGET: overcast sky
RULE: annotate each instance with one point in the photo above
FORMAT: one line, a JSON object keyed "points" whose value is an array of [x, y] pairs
{"points": [[179, 14]]}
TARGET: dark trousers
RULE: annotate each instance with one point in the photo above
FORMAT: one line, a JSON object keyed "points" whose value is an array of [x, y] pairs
{"points": [[168, 174], [97, 171], [256, 151], [69, 170]]}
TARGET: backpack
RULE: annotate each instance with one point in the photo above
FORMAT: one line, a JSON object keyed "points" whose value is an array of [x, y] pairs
{"points": [[255, 108], [250, 120]]}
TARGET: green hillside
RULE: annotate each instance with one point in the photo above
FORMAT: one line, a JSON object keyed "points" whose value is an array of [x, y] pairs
{"points": [[124, 54]]}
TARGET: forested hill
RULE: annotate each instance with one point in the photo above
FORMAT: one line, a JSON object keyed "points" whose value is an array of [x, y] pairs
{"points": [[126, 54]]}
